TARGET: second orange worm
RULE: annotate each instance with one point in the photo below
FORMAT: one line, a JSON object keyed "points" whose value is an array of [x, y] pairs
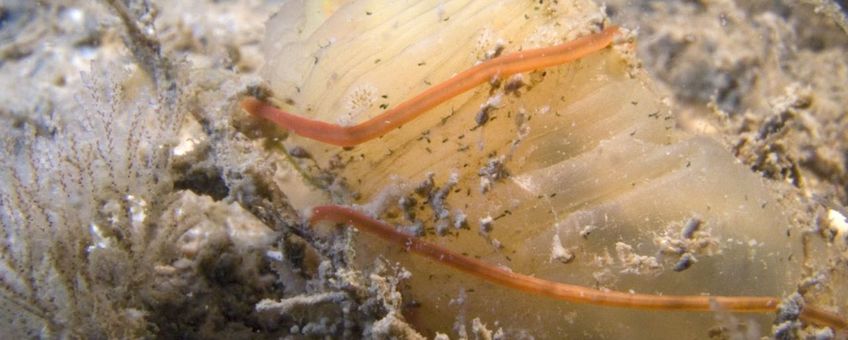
{"points": [[562, 291]]}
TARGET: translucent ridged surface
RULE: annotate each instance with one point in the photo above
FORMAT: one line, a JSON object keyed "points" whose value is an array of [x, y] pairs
{"points": [[581, 170]]}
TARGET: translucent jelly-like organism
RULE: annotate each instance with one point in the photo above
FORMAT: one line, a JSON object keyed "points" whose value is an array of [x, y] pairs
{"points": [[572, 173]]}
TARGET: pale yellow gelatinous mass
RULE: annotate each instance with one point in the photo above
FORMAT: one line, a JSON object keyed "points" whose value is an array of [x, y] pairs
{"points": [[597, 186]]}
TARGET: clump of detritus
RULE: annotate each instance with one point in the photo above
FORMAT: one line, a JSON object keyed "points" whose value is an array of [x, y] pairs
{"points": [[633, 263], [788, 324], [479, 331], [764, 141], [341, 300], [410, 206], [692, 239], [437, 199], [486, 225], [560, 253], [493, 171]]}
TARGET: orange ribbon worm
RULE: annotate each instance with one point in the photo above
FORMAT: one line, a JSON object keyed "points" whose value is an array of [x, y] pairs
{"points": [[562, 291], [503, 66]]}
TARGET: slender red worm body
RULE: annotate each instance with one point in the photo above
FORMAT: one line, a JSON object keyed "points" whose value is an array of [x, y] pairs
{"points": [[562, 291], [503, 66]]}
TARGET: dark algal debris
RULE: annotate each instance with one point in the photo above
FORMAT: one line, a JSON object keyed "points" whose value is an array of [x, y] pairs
{"points": [[493, 171], [483, 115], [691, 226], [686, 261], [299, 152], [407, 204], [486, 224], [460, 221], [439, 206], [787, 324], [426, 187], [514, 84]]}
